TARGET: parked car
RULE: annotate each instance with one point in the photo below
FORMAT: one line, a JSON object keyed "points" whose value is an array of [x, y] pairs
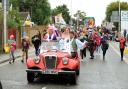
{"points": [[53, 61]]}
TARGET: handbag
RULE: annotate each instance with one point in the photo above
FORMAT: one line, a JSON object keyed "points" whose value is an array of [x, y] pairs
{"points": [[7, 49], [126, 51]]}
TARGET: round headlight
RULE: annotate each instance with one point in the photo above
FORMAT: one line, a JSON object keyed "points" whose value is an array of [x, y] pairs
{"points": [[37, 60], [65, 60]]}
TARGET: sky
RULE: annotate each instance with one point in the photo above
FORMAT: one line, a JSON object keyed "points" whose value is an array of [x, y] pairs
{"points": [[92, 8]]}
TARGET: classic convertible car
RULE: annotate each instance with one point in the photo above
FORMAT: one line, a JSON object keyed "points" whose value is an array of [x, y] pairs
{"points": [[53, 60]]}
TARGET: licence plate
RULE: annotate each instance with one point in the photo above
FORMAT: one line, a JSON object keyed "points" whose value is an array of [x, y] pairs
{"points": [[49, 72]]}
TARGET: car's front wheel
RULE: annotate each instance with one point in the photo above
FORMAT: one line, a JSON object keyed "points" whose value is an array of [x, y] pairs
{"points": [[1, 86], [77, 72], [30, 77]]}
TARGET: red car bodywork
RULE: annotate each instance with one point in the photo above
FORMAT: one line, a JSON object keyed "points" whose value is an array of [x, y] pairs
{"points": [[53, 62], [72, 64]]}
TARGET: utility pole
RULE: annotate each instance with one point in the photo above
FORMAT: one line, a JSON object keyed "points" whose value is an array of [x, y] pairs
{"points": [[119, 17], [71, 15], [5, 21]]}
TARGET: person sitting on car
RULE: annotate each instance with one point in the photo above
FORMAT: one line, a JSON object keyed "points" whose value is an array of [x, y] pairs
{"points": [[50, 35]]}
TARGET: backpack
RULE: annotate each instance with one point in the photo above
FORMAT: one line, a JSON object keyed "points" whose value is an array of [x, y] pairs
{"points": [[105, 44]]}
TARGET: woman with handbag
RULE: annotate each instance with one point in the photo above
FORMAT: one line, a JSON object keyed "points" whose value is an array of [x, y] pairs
{"points": [[12, 45], [122, 42]]}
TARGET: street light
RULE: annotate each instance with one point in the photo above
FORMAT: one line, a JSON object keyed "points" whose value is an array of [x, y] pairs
{"points": [[119, 17], [71, 14], [5, 21]]}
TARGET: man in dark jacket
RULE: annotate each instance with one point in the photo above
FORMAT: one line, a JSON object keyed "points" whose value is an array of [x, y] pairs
{"points": [[37, 43], [104, 44]]}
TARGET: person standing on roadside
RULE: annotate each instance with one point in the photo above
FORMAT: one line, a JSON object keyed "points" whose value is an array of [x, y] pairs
{"points": [[12, 45], [25, 46]]}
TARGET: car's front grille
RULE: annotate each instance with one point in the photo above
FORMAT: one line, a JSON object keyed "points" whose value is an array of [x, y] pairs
{"points": [[50, 62]]}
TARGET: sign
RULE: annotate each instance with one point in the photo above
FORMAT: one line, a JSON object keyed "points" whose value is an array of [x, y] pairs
{"points": [[124, 15], [124, 20], [115, 16]]}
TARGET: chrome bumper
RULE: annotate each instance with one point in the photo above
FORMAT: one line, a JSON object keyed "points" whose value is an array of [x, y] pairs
{"points": [[49, 71]]}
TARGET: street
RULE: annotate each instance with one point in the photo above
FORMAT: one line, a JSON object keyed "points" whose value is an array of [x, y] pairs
{"points": [[94, 74]]}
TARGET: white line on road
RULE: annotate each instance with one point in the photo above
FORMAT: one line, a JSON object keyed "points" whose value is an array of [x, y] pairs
{"points": [[125, 59]]}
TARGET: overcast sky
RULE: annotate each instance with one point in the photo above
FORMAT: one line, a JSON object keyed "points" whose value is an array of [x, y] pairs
{"points": [[93, 8]]}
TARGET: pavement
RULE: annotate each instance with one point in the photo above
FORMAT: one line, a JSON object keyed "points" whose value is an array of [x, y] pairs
{"points": [[18, 53]]}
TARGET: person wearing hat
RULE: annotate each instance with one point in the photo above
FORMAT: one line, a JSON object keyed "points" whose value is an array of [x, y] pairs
{"points": [[51, 35], [12, 45]]}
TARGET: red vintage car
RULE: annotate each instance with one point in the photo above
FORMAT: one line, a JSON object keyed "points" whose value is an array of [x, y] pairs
{"points": [[53, 61]]}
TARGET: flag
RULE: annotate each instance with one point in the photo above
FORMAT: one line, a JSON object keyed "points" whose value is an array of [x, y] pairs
{"points": [[59, 19], [10, 9]]}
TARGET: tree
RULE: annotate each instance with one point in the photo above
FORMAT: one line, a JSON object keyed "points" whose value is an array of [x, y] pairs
{"points": [[114, 6], [64, 10], [40, 10], [80, 14]]}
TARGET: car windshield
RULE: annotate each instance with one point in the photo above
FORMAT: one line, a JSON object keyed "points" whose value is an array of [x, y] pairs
{"points": [[53, 46]]}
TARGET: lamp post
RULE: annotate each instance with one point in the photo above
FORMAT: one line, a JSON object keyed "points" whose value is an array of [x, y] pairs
{"points": [[5, 22], [119, 17], [71, 14]]}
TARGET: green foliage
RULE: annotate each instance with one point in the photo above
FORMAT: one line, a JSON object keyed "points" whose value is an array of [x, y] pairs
{"points": [[64, 10], [80, 14], [15, 4], [114, 6], [40, 10], [13, 20], [11, 23], [1, 17]]}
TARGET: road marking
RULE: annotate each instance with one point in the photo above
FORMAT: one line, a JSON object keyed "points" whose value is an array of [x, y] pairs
{"points": [[44, 88], [125, 59]]}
